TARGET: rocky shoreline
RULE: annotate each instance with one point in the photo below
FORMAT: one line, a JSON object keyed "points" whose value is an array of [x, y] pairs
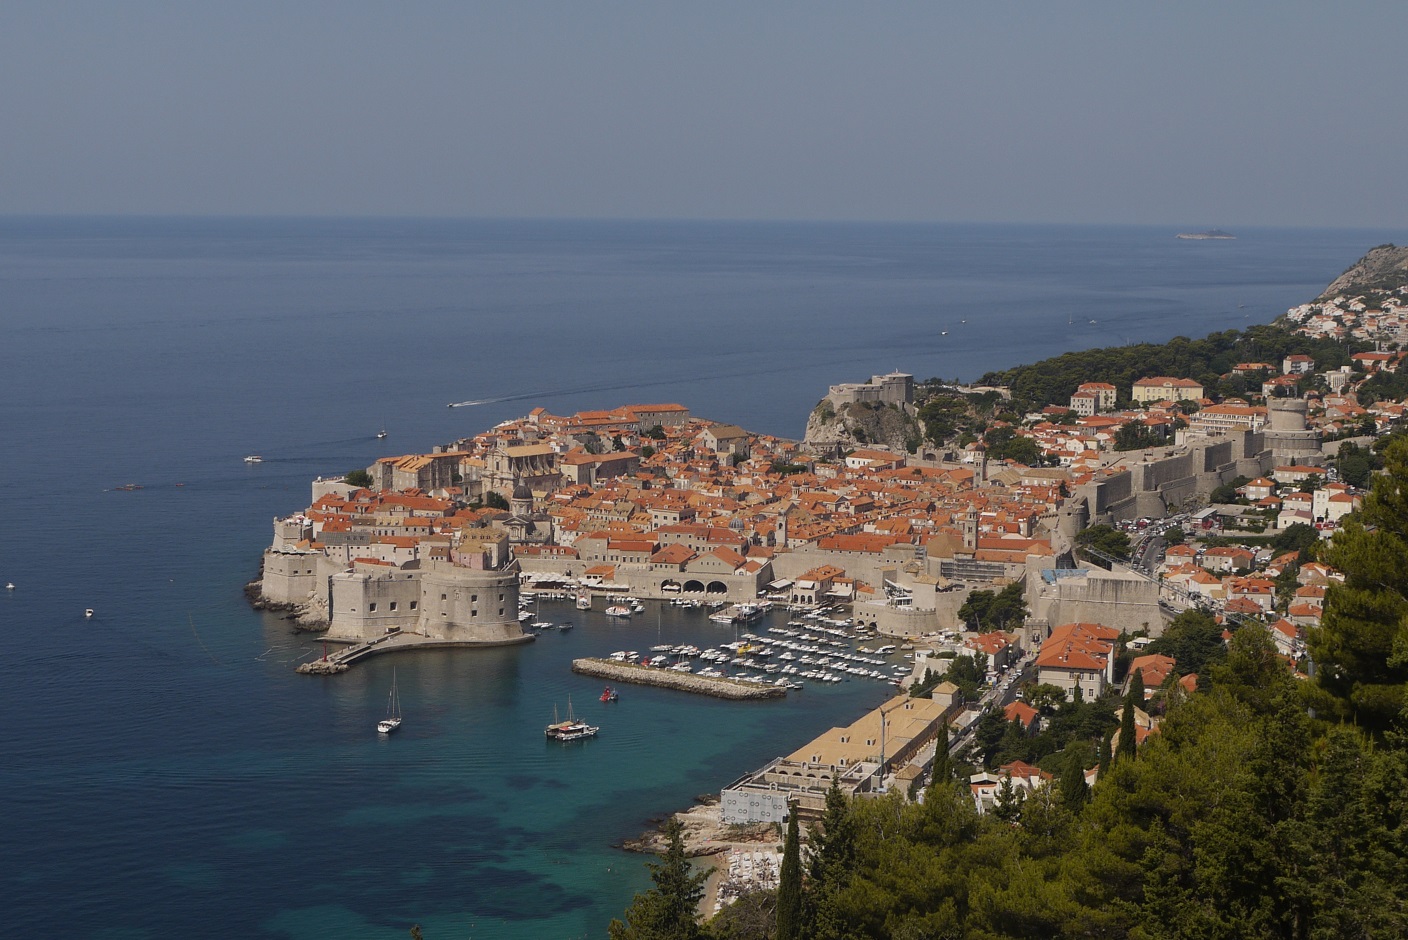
{"points": [[304, 621]]}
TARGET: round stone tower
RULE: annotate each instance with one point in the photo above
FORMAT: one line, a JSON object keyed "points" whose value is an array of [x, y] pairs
{"points": [[1286, 435]]}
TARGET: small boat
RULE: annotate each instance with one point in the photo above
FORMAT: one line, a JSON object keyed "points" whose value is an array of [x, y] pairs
{"points": [[616, 610], [565, 625], [381, 435], [584, 600], [254, 458], [571, 729], [9, 585], [392, 721], [609, 695], [88, 612]]}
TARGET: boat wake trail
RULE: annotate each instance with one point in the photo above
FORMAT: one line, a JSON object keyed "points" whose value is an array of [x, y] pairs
{"points": [[542, 394]]}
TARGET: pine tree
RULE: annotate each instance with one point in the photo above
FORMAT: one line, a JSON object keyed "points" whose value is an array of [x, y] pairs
{"points": [[670, 910], [789, 886]]}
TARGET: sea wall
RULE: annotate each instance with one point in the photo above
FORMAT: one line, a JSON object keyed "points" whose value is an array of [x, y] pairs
{"points": [[667, 679]]}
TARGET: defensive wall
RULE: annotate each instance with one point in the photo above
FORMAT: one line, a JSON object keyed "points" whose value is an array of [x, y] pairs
{"points": [[1119, 599], [1148, 487]]}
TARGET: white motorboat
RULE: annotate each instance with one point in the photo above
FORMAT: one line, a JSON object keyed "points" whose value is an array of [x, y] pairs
{"points": [[254, 458]]}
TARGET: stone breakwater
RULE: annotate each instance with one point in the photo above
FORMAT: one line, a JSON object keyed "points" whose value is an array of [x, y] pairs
{"points": [[666, 679]]}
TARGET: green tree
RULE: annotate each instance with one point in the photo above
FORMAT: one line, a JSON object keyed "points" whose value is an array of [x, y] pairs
{"points": [[668, 911], [1361, 646], [1128, 745], [359, 478], [495, 500], [1194, 640], [1074, 790], [942, 771], [986, 611], [789, 884], [1136, 435], [832, 860], [1296, 537], [1105, 539]]}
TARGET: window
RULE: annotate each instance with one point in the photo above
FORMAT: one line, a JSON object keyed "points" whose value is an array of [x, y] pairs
{"points": [[442, 597], [474, 597], [415, 604], [473, 612], [371, 608], [501, 611], [393, 605]]}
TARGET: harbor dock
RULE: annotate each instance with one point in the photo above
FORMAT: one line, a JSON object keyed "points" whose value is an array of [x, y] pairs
{"points": [[668, 679], [400, 641]]}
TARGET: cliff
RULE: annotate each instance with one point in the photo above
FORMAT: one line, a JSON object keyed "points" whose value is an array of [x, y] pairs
{"points": [[1384, 268], [861, 424]]}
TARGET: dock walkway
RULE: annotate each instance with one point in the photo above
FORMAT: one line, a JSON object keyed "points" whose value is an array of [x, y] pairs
{"points": [[668, 679], [343, 659]]}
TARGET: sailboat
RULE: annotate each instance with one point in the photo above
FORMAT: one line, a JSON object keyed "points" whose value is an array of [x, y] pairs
{"points": [[572, 729], [392, 721]]}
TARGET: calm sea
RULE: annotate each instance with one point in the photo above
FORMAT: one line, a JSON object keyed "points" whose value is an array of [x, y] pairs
{"points": [[166, 773]]}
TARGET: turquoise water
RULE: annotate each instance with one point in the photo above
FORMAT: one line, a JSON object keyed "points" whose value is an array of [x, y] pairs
{"points": [[166, 771]]}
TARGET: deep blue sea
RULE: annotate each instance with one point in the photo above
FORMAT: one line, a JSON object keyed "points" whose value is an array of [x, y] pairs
{"points": [[166, 773]]}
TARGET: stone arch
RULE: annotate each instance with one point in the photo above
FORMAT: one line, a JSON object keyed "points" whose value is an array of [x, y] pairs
{"points": [[717, 587], [670, 586], [693, 586]]}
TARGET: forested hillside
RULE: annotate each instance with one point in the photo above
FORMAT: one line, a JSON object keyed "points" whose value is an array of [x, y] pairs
{"points": [[1052, 381]]}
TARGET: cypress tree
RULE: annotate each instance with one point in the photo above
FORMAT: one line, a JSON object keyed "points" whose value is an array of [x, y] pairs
{"points": [[1126, 746], [943, 765], [1074, 789], [789, 885], [831, 861], [1105, 752], [1136, 687]]}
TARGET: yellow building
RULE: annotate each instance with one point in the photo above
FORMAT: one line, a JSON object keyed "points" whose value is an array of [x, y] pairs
{"points": [[1163, 388]]}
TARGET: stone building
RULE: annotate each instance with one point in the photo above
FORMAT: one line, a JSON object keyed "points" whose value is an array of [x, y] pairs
{"points": [[533, 465], [470, 596], [896, 388]]}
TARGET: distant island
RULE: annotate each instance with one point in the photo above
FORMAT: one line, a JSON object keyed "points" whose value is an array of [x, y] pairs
{"points": [[1202, 236]]}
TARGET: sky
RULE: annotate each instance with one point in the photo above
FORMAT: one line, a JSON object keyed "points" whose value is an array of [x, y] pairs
{"points": [[1206, 113]]}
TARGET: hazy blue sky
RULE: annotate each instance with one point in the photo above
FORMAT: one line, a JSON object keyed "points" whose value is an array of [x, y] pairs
{"points": [[1207, 113]]}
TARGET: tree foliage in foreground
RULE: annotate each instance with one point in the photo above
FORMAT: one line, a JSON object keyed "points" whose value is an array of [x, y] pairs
{"points": [[670, 910]]}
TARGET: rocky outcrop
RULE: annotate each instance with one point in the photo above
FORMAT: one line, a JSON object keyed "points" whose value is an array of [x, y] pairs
{"points": [[667, 679], [1384, 268], [860, 424]]}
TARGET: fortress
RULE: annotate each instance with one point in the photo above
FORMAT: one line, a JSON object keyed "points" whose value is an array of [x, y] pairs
{"points": [[1147, 488], [896, 388], [463, 590]]}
